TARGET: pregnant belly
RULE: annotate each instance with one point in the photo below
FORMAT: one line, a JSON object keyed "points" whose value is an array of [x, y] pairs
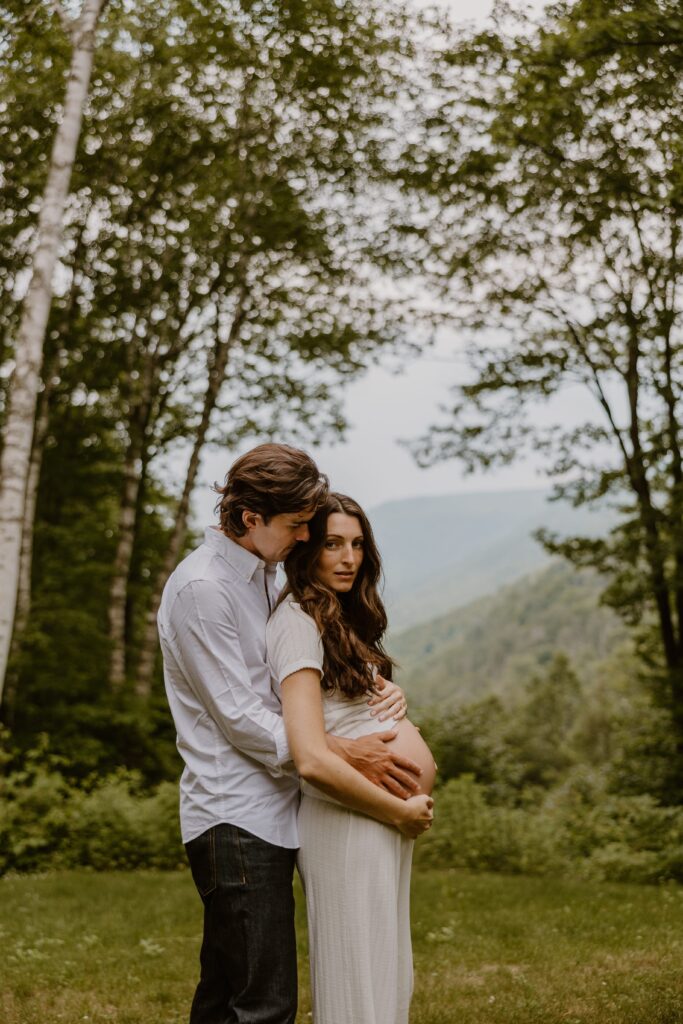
{"points": [[409, 743]]}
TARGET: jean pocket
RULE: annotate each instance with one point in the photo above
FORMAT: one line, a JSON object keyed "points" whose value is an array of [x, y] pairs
{"points": [[201, 853]]}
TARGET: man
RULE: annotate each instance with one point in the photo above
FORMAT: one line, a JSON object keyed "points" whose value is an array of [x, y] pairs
{"points": [[239, 792]]}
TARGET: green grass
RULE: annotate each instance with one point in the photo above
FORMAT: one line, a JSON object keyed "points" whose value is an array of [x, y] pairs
{"points": [[489, 949]]}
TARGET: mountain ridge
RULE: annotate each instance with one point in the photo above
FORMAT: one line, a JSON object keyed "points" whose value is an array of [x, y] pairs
{"points": [[495, 644], [443, 552]]}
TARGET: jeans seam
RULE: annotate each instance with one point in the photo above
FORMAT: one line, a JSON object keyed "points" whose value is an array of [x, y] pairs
{"points": [[239, 851], [212, 859]]}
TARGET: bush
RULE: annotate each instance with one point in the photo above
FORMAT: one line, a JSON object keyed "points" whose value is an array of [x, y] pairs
{"points": [[114, 826], [471, 833], [626, 838], [47, 822], [580, 828]]}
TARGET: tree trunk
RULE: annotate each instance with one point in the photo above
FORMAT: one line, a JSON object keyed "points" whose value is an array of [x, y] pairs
{"points": [[132, 478], [26, 562], [148, 650], [129, 509], [119, 585], [23, 606], [676, 479], [19, 425], [639, 482]]}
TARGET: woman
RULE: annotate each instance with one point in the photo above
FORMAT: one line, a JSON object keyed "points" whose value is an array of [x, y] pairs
{"points": [[324, 645]]}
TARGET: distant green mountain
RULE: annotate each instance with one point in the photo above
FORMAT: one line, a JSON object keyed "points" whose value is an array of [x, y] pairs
{"points": [[443, 552], [494, 645]]}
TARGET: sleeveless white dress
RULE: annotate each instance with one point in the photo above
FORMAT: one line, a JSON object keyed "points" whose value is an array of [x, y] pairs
{"points": [[355, 870]]}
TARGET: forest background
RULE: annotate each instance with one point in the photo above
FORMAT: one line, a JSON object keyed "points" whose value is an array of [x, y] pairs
{"points": [[259, 207]]}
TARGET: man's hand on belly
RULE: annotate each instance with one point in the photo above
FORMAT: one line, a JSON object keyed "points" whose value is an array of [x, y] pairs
{"points": [[372, 757]]}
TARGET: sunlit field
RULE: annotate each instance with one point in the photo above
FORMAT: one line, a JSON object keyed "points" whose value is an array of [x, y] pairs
{"points": [[488, 949]]}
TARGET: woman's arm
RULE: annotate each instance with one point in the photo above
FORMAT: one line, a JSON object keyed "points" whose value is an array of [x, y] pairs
{"points": [[305, 725]]}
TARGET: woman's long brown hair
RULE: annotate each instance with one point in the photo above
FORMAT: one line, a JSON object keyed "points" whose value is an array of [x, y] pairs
{"points": [[351, 624]]}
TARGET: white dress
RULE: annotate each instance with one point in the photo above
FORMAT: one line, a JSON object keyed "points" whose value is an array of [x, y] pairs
{"points": [[355, 870]]}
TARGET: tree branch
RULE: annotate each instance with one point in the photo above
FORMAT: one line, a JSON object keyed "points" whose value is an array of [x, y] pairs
{"points": [[67, 22], [599, 390]]}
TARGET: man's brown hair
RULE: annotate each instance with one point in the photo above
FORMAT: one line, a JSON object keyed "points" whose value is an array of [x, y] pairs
{"points": [[269, 479]]}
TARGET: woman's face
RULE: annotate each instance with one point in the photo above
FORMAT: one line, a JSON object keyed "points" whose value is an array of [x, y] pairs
{"points": [[342, 553]]}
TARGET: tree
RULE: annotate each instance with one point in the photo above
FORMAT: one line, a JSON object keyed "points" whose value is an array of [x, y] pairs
{"points": [[538, 738], [213, 286], [239, 246], [549, 186], [214, 161], [28, 351]]}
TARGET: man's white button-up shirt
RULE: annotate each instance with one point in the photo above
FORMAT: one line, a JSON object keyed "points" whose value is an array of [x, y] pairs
{"points": [[212, 626]]}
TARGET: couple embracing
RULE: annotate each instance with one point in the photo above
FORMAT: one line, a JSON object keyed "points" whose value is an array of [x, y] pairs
{"points": [[296, 749]]}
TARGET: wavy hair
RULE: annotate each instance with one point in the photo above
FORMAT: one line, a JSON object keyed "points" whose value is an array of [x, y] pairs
{"points": [[269, 479], [351, 624]]}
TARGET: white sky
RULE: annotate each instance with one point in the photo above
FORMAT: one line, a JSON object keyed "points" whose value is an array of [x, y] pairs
{"points": [[384, 406]]}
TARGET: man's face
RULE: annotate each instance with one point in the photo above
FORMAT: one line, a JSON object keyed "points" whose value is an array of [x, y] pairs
{"points": [[272, 541]]}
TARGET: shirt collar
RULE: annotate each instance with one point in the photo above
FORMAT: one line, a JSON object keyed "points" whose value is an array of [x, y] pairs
{"points": [[242, 561]]}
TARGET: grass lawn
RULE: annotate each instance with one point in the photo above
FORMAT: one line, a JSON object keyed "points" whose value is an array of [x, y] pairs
{"points": [[489, 949]]}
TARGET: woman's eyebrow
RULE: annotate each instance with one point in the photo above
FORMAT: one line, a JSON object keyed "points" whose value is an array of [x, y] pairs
{"points": [[338, 536]]}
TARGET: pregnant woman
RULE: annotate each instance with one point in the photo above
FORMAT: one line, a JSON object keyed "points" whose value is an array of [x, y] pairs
{"points": [[324, 644]]}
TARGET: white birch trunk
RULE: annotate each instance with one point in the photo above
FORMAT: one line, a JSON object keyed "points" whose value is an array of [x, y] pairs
{"points": [[23, 608], [19, 425], [31, 500]]}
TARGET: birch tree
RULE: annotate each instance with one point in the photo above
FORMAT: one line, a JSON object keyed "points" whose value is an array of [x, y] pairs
{"points": [[216, 289], [28, 350]]}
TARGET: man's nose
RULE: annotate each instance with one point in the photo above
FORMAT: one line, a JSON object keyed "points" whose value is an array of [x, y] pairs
{"points": [[303, 534]]}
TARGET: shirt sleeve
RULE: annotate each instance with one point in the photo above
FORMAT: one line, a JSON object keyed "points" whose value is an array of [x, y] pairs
{"points": [[212, 658], [293, 642]]}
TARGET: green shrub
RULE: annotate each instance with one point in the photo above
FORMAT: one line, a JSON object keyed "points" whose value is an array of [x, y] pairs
{"points": [[113, 827], [631, 839], [34, 821], [618, 862], [471, 833], [114, 823], [581, 829], [45, 822]]}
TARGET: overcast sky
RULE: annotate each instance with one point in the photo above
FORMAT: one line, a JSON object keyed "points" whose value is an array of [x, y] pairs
{"points": [[383, 407]]}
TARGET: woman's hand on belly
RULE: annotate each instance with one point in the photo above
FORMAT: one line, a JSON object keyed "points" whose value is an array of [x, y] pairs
{"points": [[388, 701], [417, 816]]}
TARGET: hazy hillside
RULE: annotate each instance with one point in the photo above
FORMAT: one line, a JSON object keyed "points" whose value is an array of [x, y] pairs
{"points": [[496, 643], [443, 552]]}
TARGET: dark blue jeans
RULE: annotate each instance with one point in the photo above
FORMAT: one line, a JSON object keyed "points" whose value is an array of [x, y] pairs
{"points": [[248, 956]]}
